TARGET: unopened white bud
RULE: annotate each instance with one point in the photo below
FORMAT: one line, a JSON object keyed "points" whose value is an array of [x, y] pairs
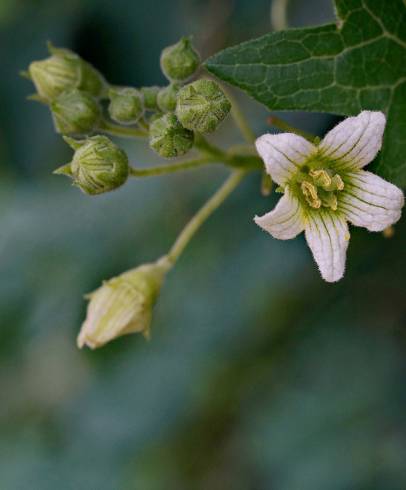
{"points": [[123, 304]]}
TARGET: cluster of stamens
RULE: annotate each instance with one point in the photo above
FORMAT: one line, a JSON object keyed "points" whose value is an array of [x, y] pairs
{"points": [[319, 187]]}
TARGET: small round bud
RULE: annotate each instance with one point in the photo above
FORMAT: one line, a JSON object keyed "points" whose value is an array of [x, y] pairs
{"points": [[126, 105], [98, 165], [63, 71], [166, 98], [202, 105], [75, 112], [180, 61], [169, 138], [123, 304], [150, 97]]}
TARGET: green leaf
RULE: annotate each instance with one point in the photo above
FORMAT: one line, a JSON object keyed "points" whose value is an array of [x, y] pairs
{"points": [[360, 63]]}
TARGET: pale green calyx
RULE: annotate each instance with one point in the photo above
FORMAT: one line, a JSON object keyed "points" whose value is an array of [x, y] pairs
{"points": [[98, 165], [201, 106], [63, 71], [75, 112], [123, 304], [126, 105], [180, 61], [150, 97], [167, 97], [169, 138]]}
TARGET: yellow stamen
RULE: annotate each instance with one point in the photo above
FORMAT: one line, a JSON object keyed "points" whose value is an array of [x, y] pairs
{"points": [[320, 177], [310, 193]]}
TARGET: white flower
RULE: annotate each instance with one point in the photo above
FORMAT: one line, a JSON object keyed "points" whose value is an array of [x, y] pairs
{"points": [[324, 187]]}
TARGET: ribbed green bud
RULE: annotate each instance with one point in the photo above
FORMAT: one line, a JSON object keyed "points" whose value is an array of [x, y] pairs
{"points": [[98, 165], [75, 112], [150, 97], [180, 61], [169, 138], [126, 105], [123, 305], [63, 71], [166, 98], [202, 105]]}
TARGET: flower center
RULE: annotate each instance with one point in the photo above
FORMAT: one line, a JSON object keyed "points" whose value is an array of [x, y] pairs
{"points": [[320, 187]]}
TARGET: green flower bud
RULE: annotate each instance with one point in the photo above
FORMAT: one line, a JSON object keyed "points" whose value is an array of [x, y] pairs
{"points": [[98, 165], [75, 112], [169, 138], [202, 105], [180, 61], [63, 71], [166, 98], [150, 97], [123, 305], [126, 105]]}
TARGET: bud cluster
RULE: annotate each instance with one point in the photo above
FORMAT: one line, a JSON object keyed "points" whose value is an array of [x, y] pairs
{"points": [[84, 108], [83, 104], [199, 106]]}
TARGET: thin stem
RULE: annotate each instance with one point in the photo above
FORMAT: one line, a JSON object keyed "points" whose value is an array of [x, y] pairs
{"points": [[279, 15], [122, 131], [207, 148], [143, 123], [240, 119], [172, 167], [204, 212], [284, 126]]}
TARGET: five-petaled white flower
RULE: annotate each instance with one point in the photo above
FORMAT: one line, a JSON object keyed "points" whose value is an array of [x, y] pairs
{"points": [[324, 187]]}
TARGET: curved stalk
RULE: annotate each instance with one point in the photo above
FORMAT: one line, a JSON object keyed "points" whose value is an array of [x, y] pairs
{"points": [[203, 214], [171, 167], [284, 126], [122, 131]]}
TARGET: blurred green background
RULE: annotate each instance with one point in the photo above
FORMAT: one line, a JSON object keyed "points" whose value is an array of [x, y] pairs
{"points": [[259, 376]]}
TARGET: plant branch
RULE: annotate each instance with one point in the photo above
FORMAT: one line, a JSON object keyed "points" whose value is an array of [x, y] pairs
{"points": [[203, 214], [239, 119], [171, 167], [122, 131], [284, 126]]}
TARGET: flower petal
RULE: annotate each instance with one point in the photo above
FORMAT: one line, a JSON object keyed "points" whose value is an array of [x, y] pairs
{"points": [[283, 154], [370, 201], [356, 141], [327, 236], [286, 220]]}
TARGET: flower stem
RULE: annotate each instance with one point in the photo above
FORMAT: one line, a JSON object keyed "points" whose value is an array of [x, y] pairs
{"points": [[203, 214], [122, 131], [172, 167], [279, 15], [284, 126], [240, 120], [207, 148]]}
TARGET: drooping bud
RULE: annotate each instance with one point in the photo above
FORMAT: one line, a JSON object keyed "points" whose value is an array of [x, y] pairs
{"points": [[180, 61], [202, 105], [150, 97], [166, 98], [75, 112], [98, 165], [169, 138], [63, 71], [126, 105], [123, 305]]}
